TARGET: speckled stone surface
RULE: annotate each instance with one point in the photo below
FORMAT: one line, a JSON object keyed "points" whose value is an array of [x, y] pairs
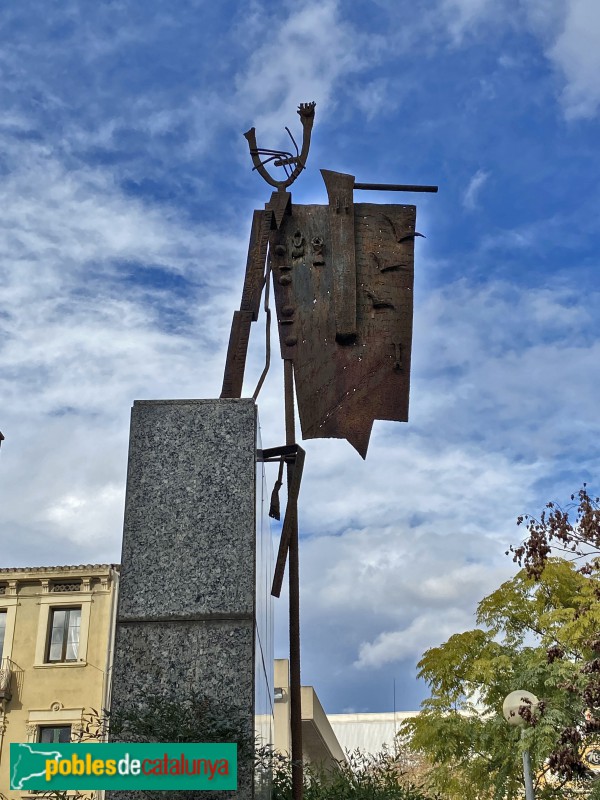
{"points": [[186, 606], [189, 509]]}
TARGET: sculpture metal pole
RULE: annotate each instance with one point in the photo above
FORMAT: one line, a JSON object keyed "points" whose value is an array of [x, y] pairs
{"points": [[294, 600]]}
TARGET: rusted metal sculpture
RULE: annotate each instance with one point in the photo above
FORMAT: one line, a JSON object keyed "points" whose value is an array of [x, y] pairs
{"points": [[343, 277]]}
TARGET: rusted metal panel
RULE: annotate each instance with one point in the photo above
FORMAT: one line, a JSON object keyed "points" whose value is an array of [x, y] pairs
{"points": [[255, 263], [343, 386], [281, 249], [254, 280], [343, 278], [341, 226], [237, 350]]}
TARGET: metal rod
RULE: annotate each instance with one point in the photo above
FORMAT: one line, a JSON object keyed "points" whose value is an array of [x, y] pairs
{"points": [[395, 187], [290, 522], [294, 588], [529, 795], [263, 375], [295, 681]]}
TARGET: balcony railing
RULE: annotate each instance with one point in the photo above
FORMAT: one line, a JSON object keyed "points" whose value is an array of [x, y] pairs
{"points": [[6, 672]]}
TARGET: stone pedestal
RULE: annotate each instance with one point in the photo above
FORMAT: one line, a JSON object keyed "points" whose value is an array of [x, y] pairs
{"points": [[186, 614]]}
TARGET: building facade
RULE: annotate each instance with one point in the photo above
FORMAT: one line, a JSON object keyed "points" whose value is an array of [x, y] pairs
{"points": [[56, 634], [320, 746], [371, 733]]}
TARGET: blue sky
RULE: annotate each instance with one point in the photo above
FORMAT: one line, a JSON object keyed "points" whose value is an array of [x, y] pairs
{"points": [[127, 195]]}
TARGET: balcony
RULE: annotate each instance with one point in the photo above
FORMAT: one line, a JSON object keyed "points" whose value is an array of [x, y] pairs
{"points": [[6, 672]]}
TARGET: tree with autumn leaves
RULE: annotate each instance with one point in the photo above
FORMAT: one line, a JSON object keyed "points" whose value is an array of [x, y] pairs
{"points": [[540, 631]]}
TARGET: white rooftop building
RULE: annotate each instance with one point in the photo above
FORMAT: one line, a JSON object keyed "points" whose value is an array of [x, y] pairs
{"points": [[368, 732]]}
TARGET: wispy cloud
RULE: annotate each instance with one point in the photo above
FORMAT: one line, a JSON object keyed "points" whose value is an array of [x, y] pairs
{"points": [[461, 16], [472, 191], [410, 642], [568, 30], [576, 52], [308, 55]]}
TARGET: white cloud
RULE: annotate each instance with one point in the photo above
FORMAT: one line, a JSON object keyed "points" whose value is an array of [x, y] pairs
{"points": [[461, 16], [307, 54], [576, 52], [546, 17], [63, 218], [422, 633], [568, 30], [84, 331], [377, 96], [472, 191]]}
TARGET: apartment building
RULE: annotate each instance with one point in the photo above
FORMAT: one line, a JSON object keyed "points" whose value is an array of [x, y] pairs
{"points": [[56, 633]]}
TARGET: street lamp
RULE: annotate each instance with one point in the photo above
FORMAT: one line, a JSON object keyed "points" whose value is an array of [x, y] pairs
{"points": [[510, 709]]}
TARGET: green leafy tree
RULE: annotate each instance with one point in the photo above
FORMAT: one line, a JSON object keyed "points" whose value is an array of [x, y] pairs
{"points": [[535, 634]]}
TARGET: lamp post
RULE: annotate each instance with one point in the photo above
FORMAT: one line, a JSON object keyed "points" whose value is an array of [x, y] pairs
{"points": [[510, 709]]}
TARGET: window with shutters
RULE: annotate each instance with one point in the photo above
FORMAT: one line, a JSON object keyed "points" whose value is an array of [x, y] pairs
{"points": [[63, 635]]}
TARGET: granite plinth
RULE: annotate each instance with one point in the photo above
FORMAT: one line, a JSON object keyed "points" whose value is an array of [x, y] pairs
{"points": [[188, 544], [186, 616]]}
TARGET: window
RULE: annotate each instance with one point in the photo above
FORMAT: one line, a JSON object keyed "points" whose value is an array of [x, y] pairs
{"points": [[63, 635], [2, 628], [60, 735]]}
